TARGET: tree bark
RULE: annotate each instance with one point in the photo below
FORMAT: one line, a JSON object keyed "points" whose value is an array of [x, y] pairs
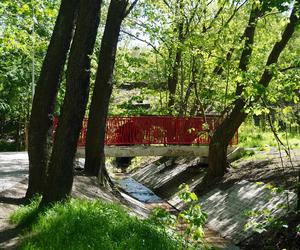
{"points": [[173, 80], [95, 137], [225, 131], [40, 123], [173, 77], [217, 158], [60, 176]]}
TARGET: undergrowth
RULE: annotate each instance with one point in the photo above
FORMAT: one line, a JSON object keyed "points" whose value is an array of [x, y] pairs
{"points": [[82, 224]]}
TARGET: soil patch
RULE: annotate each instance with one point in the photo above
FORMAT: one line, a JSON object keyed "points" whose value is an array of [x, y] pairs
{"points": [[271, 167]]}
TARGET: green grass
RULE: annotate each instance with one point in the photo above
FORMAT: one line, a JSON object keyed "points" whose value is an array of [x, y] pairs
{"points": [[26, 215], [82, 224], [252, 136]]}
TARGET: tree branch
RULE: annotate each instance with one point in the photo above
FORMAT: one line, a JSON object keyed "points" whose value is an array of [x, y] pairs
{"points": [[167, 4], [144, 41], [280, 45], [296, 66], [215, 17], [232, 16], [249, 40], [189, 21], [130, 8]]}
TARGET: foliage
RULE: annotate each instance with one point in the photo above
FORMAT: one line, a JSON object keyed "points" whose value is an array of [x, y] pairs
{"points": [[7, 146], [212, 43], [16, 48], [191, 219], [212, 31], [21, 47], [82, 224]]}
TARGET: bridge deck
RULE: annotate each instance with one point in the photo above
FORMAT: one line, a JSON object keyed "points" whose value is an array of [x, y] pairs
{"points": [[171, 150]]}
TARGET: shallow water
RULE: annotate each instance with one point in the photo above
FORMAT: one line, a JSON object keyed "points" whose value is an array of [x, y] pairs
{"points": [[139, 191]]}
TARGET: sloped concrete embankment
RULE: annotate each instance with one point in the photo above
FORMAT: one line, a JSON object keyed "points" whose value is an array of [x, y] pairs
{"points": [[226, 207]]}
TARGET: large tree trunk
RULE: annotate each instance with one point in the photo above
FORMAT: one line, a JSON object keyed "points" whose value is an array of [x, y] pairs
{"points": [[217, 156], [219, 142], [95, 138], [223, 134], [45, 95], [60, 176]]}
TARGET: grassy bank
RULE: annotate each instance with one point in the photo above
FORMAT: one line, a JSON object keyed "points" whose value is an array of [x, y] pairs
{"points": [[81, 224], [252, 136]]}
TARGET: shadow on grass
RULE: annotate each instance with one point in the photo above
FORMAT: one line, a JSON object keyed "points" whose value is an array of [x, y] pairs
{"points": [[22, 226]]}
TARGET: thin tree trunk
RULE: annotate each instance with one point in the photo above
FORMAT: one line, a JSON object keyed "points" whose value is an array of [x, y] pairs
{"points": [[17, 135], [173, 78], [173, 81], [223, 134], [60, 176], [189, 88], [40, 123], [95, 138]]}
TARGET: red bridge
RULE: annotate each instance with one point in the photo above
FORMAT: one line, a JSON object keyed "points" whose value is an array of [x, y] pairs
{"points": [[164, 130]]}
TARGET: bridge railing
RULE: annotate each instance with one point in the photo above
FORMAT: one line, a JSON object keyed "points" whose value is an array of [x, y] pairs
{"points": [[146, 130]]}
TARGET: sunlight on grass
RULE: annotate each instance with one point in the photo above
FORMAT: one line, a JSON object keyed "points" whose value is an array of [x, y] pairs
{"points": [[252, 136], [81, 224]]}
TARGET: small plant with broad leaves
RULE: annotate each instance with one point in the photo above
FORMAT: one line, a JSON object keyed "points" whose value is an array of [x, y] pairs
{"points": [[193, 217], [187, 225]]}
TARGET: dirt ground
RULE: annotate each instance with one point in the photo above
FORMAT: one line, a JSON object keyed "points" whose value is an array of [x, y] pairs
{"points": [[279, 170], [271, 166]]}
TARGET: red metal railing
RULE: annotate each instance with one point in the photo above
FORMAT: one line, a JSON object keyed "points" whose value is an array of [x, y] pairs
{"points": [[167, 130]]}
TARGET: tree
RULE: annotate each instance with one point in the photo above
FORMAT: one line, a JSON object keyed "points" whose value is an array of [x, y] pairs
{"points": [[94, 149], [174, 74], [187, 37], [45, 94], [60, 176], [21, 47], [236, 115]]}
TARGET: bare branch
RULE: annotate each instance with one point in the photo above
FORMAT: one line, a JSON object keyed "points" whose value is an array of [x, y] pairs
{"points": [[130, 8], [144, 41], [216, 16], [167, 4], [296, 66]]}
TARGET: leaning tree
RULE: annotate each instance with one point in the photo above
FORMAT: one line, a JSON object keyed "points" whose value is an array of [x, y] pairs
{"points": [[60, 169], [40, 125], [94, 149], [236, 114]]}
